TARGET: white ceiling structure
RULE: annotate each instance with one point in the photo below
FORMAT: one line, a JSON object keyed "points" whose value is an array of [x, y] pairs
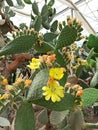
{"points": [[85, 10]]}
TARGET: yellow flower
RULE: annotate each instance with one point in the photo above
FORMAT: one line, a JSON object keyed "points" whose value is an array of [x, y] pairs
{"points": [[79, 60], [4, 82], [53, 91], [34, 64], [57, 73]]}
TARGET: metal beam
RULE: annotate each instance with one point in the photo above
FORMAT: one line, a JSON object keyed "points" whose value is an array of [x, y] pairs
{"points": [[64, 2], [81, 17]]}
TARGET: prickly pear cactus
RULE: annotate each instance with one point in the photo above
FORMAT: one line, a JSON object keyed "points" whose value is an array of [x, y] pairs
{"points": [[22, 42], [70, 32], [43, 18], [68, 36], [76, 120]]}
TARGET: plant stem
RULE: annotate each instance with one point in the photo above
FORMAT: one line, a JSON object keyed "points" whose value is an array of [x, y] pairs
{"points": [[91, 125]]}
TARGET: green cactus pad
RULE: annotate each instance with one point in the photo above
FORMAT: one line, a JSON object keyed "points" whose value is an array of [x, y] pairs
{"points": [[66, 103], [94, 80], [35, 8], [93, 42], [37, 23], [67, 36], [25, 117], [40, 80], [90, 96], [20, 44], [45, 47], [49, 37]]}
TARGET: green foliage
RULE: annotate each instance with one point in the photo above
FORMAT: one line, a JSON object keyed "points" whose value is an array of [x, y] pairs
{"points": [[49, 37], [9, 2], [54, 26], [67, 103], [66, 128], [94, 80], [92, 63], [8, 12], [56, 117], [90, 96], [59, 35], [43, 117], [27, 1], [67, 36], [35, 8], [91, 53], [46, 25], [19, 2], [76, 120], [60, 59], [4, 122], [43, 18], [44, 48], [51, 3], [44, 13], [93, 42], [4, 105], [40, 80], [20, 44], [79, 71], [25, 117], [37, 23]]}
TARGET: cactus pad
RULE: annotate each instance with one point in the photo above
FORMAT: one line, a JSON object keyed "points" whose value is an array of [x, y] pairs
{"points": [[20, 44], [68, 36]]}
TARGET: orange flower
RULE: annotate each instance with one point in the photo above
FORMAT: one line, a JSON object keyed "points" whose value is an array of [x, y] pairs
{"points": [[28, 82], [52, 57], [50, 81], [6, 96], [79, 93], [79, 60], [4, 82], [69, 22]]}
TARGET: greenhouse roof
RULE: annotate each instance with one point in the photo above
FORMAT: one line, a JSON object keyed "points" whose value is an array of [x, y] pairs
{"points": [[85, 10]]}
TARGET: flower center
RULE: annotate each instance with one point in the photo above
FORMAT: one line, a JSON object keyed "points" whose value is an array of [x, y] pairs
{"points": [[53, 89]]}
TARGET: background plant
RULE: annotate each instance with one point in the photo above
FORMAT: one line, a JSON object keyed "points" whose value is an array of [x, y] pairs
{"points": [[27, 59]]}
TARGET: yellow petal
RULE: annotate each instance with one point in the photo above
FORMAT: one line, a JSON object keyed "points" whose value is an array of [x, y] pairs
{"points": [[57, 98], [47, 97], [60, 93], [46, 93], [56, 73], [45, 88], [53, 98]]}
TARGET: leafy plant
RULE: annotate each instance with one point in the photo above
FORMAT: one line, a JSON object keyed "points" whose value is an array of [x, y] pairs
{"points": [[46, 72]]}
